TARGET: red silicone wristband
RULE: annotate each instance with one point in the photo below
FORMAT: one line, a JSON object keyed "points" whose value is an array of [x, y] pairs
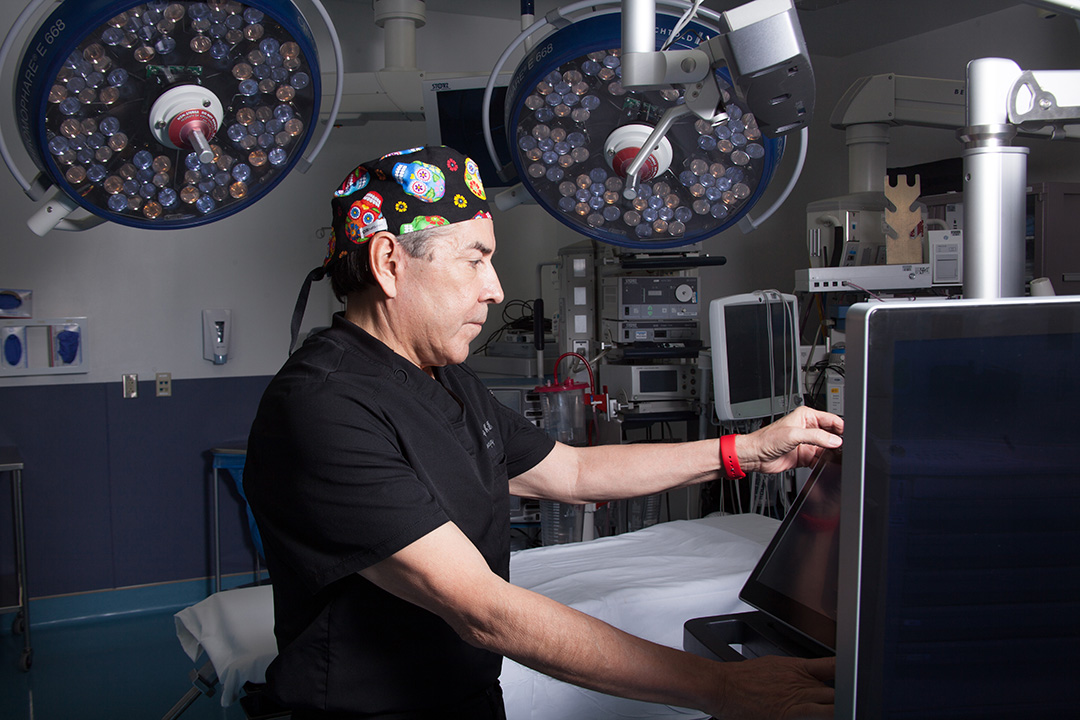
{"points": [[729, 459]]}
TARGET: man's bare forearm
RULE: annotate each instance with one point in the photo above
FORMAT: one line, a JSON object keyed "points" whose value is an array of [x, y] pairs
{"points": [[573, 647], [613, 472]]}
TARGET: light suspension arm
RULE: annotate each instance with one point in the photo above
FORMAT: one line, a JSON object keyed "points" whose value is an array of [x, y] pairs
{"points": [[339, 84], [557, 19], [749, 224], [760, 43], [36, 189]]}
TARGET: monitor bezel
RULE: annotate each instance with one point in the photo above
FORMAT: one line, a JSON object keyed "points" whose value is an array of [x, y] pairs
{"points": [[756, 408]]}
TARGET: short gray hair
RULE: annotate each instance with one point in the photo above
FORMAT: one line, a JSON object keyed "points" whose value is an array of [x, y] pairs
{"points": [[353, 273]]}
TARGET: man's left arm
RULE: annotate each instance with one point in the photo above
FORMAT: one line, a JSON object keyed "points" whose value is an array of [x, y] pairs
{"points": [[611, 472]]}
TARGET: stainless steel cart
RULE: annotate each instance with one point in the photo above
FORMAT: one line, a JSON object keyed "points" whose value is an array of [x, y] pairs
{"points": [[12, 464]]}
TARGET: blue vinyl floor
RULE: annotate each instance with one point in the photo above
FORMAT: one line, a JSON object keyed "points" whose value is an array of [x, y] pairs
{"points": [[131, 667]]}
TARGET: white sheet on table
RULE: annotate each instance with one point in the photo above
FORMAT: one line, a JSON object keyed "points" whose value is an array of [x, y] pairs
{"points": [[648, 583], [236, 630]]}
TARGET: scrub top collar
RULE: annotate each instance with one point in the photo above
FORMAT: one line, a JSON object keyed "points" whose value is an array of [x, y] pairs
{"points": [[402, 372]]}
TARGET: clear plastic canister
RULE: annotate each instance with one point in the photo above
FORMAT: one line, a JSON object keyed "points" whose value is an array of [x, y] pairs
{"points": [[563, 413]]}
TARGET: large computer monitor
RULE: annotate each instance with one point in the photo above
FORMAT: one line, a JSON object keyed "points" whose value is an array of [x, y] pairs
{"points": [[755, 348], [959, 586], [453, 112]]}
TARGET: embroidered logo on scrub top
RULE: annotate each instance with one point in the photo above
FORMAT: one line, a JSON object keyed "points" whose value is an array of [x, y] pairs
{"points": [[487, 428]]}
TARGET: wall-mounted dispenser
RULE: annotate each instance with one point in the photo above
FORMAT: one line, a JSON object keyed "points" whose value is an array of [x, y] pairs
{"points": [[217, 333]]}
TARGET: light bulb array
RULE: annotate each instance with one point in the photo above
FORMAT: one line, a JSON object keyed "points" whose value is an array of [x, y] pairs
{"points": [[563, 119], [250, 103]]}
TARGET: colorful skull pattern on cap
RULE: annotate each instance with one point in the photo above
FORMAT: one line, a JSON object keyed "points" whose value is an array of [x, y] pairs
{"points": [[422, 181], [356, 182], [365, 218], [423, 223], [472, 178], [402, 192]]}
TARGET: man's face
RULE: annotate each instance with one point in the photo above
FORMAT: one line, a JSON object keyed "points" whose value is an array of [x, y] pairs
{"points": [[442, 303]]}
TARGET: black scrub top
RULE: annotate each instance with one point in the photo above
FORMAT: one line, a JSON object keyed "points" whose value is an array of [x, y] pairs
{"points": [[354, 454]]}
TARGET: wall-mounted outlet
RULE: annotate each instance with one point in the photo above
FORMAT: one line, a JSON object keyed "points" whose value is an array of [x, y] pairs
{"points": [[163, 386], [131, 385]]}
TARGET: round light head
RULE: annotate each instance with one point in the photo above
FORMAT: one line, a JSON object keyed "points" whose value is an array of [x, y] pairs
{"points": [[573, 128], [167, 115]]}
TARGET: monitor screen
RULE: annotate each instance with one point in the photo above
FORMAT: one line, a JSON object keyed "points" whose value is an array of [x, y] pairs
{"points": [[453, 108], [755, 340], [796, 579], [659, 380], [959, 591]]}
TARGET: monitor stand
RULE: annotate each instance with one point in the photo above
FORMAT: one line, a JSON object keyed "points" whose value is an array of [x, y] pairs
{"points": [[754, 633]]}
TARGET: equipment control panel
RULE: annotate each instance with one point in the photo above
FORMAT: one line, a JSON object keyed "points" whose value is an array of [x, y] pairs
{"points": [[650, 298]]}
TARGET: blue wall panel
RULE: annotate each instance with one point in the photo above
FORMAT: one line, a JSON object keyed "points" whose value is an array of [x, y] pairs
{"points": [[117, 491], [60, 432]]}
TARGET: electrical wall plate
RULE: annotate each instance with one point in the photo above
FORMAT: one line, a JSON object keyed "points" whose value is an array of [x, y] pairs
{"points": [[131, 385]]}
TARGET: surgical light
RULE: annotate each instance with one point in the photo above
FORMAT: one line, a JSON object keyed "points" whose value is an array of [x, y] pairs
{"points": [[165, 114], [653, 165]]}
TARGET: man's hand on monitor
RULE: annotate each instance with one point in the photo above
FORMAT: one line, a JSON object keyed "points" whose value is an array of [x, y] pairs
{"points": [[795, 440]]}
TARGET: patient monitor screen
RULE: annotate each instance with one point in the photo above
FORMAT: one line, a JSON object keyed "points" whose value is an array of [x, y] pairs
{"points": [[750, 341]]}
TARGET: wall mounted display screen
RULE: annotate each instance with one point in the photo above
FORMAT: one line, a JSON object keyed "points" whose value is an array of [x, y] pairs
{"points": [[453, 110]]}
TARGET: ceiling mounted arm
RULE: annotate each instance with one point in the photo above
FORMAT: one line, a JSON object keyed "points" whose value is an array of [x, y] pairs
{"points": [[761, 45], [1046, 98]]}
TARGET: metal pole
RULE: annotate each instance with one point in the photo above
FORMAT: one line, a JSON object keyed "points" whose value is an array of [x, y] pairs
{"points": [[867, 144], [639, 26], [27, 657], [217, 534], [995, 185]]}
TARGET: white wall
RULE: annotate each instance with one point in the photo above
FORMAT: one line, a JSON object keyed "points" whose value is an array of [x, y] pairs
{"points": [[144, 290]]}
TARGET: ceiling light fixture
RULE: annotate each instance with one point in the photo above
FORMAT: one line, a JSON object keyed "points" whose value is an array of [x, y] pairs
{"points": [[645, 130], [164, 114]]}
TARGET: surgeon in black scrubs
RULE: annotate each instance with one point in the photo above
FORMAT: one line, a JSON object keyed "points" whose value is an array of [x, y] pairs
{"points": [[379, 469]]}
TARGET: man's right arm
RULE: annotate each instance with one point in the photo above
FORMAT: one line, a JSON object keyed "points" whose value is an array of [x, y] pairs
{"points": [[445, 574], [610, 472]]}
